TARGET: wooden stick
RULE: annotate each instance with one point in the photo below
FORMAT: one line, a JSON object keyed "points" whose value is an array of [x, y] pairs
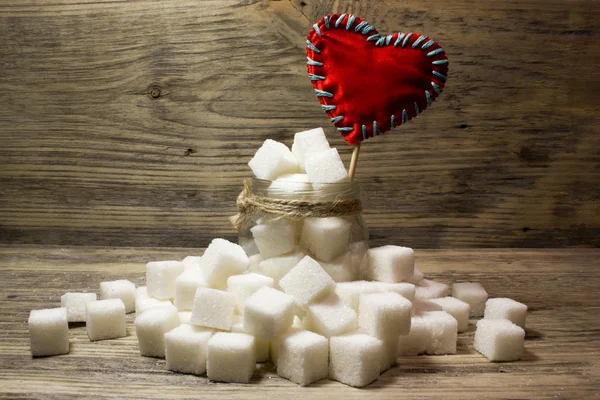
{"points": [[354, 161]]}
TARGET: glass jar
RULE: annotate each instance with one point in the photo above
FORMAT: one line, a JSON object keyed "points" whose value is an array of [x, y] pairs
{"points": [[281, 222]]}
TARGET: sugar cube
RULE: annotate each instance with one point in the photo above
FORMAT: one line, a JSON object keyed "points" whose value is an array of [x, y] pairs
{"points": [[296, 184], [230, 357], [119, 289], [303, 357], [274, 344], [191, 262], [390, 353], [457, 308], [254, 260], [417, 276], [307, 282], [505, 308], [141, 292], [330, 317], [221, 260], [142, 305], [427, 289], [326, 238], [213, 308], [105, 319], [160, 278], [150, 328], [307, 142], [275, 237], [418, 340], [272, 160], [349, 292], [384, 315], [404, 289], [391, 263], [472, 293], [342, 269], [325, 167], [277, 267], [499, 339], [75, 304], [49, 332], [422, 306], [245, 285], [355, 359], [443, 329], [185, 349], [185, 317], [186, 285], [268, 313], [262, 345]]}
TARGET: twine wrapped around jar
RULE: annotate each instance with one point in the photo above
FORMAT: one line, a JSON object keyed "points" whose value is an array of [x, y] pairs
{"points": [[249, 203]]}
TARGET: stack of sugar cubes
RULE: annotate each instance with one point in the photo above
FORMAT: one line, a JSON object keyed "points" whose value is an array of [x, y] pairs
{"points": [[224, 311]]}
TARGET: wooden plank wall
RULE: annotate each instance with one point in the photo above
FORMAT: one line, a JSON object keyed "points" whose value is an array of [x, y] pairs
{"points": [[129, 123]]}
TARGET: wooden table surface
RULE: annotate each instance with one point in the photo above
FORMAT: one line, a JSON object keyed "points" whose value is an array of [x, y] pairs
{"points": [[562, 348]]}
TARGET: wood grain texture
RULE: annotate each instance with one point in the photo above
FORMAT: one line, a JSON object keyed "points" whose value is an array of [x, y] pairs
{"points": [[561, 349], [130, 123]]}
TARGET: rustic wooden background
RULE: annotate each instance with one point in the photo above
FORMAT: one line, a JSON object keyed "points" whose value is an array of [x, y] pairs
{"points": [[129, 123]]}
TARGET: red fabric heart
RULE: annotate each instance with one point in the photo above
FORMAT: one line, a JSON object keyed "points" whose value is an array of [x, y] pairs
{"points": [[368, 83]]}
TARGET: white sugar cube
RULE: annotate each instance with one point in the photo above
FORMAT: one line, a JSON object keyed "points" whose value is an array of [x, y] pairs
{"points": [[254, 260], [307, 142], [307, 282], [505, 308], [160, 278], [150, 328], [472, 293], [221, 260], [274, 344], [349, 292], [268, 313], [390, 353], [326, 238], [330, 317], [355, 359], [417, 276], [404, 289], [457, 308], [141, 292], [384, 315], [191, 262], [142, 305], [342, 269], [273, 159], [443, 329], [119, 289], [105, 319], [185, 349], [213, 308], [297, 184], [75, 304], [391, 263], [277, 267], [422, 306], [427, 289], [49, 332], [230, 357], [418, 339], [245, 285], [325, 167], [185, 317], [262, 345], [499, 339], [274, 238], [186, 285], [303, 357]]}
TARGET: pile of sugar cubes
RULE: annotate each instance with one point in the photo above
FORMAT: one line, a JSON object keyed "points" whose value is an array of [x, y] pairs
{"points": [[221, 313]]}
